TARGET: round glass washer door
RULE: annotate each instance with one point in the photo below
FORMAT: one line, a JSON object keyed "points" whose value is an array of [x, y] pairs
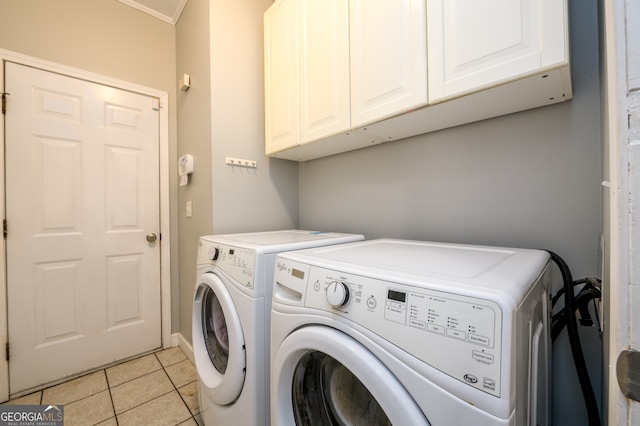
{"points": [[218, 342], [324, 377]]}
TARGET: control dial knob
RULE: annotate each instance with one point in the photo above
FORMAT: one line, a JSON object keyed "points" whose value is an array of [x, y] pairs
{"points": [[338, 294], [214, 253]]}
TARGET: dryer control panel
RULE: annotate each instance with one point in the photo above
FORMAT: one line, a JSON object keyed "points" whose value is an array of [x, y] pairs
{"points": [[459, 335], [236, 262]]}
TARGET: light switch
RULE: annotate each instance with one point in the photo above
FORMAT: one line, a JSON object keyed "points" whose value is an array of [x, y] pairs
{"points": [[185, 82], [189, 209]]}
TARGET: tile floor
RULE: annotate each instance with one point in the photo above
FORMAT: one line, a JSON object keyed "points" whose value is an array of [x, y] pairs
{"points": [[155, 389]]}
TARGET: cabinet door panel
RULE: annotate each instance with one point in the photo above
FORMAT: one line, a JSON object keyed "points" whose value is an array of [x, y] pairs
{"points": [[388, 58], [282, 128], [324, 68], [473, 45]]}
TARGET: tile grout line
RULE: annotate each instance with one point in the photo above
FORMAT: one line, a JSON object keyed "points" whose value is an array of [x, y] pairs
{"points": [[138, 377], [115, 415], [140, 405], [128, 381], [176, 389]]}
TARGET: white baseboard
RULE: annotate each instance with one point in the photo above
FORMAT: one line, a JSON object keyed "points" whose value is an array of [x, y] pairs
{"points": [[184, 344]]}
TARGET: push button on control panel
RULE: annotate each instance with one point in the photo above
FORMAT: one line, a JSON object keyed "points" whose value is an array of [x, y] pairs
{"points": [[456, 334], [481, 340], [482, 357]]}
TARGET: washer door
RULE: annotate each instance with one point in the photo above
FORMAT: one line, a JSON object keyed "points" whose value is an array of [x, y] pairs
{"points": [[218, 342], [322, 376]]}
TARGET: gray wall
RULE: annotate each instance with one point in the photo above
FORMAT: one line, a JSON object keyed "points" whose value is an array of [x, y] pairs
{"points": [[105, 37], [530, 179], [244, 199], [219, 44], [194, 136]]}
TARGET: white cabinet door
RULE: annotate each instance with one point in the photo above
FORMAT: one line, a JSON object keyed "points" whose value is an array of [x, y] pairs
{"points": [[324, 68], [388, 58], [478, 44], [282, 121]]}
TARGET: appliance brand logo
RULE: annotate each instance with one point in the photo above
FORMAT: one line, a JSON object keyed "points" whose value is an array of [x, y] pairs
{"points": [[281, 267], [470, 378]]}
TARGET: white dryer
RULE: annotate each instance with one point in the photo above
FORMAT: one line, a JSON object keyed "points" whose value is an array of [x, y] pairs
{"points": [[410, 333], [231, 320]]}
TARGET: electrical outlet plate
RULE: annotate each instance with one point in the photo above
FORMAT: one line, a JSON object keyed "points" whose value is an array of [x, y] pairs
{"points": [[239, 162]]}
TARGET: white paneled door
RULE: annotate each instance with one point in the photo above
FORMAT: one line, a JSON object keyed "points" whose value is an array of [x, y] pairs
{"points": [[82, 208]]}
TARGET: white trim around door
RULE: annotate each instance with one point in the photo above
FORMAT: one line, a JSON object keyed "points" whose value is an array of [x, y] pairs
{"points": [[165, 257]]}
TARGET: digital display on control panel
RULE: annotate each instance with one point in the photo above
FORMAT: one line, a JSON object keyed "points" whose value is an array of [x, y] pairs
{"points": [[398, 296], [297, 273]]}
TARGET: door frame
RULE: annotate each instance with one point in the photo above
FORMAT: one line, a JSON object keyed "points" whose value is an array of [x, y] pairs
{"points": [[165, 255], [622, 197]]}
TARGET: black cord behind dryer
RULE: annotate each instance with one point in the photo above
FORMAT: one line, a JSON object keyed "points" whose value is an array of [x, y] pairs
{"points": [[574, 341]]}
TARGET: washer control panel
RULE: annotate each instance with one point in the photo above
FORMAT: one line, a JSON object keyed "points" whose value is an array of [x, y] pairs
{"points": [[236, 262], [454, 333]]}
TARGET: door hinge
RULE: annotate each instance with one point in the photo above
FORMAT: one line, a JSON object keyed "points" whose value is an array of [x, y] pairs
{"points": [[5, 228], [7, 351], [4, 102]]}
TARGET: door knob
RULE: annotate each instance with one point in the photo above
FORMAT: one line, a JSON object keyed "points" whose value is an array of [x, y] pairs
{"points": [[152, 237]]}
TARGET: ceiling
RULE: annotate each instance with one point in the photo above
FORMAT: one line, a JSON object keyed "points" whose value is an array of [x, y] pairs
{"points": [[167, 10]]}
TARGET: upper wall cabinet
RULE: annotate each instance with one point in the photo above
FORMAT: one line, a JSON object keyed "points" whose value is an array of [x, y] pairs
{"points": [[344, 74], [477, 44], [306, 72], [315, 89], [388, 58], [323, 61], [282, 123]]}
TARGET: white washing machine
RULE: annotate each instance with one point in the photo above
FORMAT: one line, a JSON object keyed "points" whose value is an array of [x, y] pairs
{"points": [[231, 320], [410, 333]]}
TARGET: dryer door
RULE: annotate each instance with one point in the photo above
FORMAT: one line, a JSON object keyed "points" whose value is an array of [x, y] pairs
{"points": [[218, 342], [322, 376]]}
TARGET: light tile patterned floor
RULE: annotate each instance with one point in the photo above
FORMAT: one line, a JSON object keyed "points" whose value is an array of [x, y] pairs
{"points": [[155, 389]]}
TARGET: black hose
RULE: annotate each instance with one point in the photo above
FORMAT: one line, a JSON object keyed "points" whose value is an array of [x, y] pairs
{"points": [[558, 295], [574, 341], [583, 298], [582, 302]]}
